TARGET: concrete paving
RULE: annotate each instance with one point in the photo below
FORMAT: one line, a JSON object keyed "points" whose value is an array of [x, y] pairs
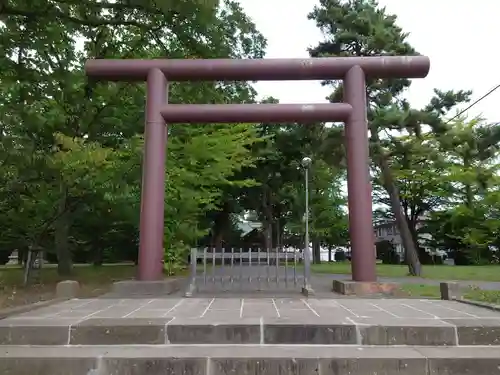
{"points": [[254, 321], [307, 310]]}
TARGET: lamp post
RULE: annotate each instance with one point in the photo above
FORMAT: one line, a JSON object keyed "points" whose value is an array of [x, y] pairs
{"points": [[307, 289]]}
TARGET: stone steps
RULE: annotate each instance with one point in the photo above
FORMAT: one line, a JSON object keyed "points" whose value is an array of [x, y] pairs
{"points": [[264, 336], [248, 360], [160, 331]]}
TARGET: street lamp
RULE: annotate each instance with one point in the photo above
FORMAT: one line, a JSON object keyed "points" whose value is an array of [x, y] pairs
{"points": [[306, 163]]}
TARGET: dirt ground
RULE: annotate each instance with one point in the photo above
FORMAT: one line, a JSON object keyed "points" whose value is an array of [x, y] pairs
{"points": [[93, 281]]}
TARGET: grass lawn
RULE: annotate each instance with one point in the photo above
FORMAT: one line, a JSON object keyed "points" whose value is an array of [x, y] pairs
{"points": [[93, 281], [432, 291], [441, 272]]}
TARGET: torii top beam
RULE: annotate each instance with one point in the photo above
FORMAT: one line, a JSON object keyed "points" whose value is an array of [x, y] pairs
{"points": [[320, 68]]}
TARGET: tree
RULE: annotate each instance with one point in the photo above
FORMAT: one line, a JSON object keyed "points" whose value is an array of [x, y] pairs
{"points": [[71, 149], [468, 223], [362, 28]]}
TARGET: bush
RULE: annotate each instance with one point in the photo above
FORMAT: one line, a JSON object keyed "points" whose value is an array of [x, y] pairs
{"points": [[51, 257], [4, 257], [82, 255], [340, 256], [473, 256], [462, 258], [438, 259], [429, 259], [386, 253], [77, 256]]}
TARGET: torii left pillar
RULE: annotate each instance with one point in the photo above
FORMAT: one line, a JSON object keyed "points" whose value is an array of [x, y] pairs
{"points": [[151, 250]]}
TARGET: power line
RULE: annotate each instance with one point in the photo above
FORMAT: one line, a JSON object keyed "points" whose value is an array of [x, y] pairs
{"points": [[473, 104]]}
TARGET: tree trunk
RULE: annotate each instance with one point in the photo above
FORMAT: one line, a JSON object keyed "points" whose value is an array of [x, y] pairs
{"points": [[218, 240], [316, 252], [268, 219], [221, 225], [98, 255], [278, 235], [268, 237], [411, 253], [469, 194], [61, 226], [329, 254], [21, 255]]}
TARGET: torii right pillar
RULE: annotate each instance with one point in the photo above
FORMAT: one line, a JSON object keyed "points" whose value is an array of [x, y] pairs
{"points": [[363, 255]]}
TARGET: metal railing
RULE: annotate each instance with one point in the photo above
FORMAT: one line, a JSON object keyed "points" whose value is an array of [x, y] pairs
{"points": [[245, 269]]}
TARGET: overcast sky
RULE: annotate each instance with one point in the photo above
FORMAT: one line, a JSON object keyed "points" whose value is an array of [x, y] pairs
{"points": [[459, 36]]}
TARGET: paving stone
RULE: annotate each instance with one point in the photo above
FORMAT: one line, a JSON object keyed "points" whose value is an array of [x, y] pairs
{"points": [[191, 308], [151, 314], [98, 304], [49, 360], [204, 331], [266, 313], [309, 334], [67, 289], [369, 366], [164, 304], [290, 303], [405, 331], [462, 366], [307, 316], [462, 360], [226, 304], [119, 331], [72, 314], [220, 315], [407, 335], [114, 312], [264, 366], [34, 332], [477, 331], [155, 366], [47, 366], [478, 312]]}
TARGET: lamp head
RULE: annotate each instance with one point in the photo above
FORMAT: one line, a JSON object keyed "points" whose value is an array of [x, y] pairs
{"points": [[306, 162]]}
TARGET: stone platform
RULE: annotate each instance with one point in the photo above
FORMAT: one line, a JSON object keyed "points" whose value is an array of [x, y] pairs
{"points": [[265, 321]]}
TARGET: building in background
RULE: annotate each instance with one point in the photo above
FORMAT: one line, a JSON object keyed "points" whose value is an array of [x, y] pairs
{"points": [[388, 231]]}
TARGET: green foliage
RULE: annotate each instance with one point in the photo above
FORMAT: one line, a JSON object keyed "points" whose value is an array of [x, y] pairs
{"points": [[410, 168], [71, 150], [340, 256], [466, 221], [387, 253]]}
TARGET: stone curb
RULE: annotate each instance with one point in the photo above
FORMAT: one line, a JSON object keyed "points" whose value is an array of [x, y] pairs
{"points": [[358, 288], [5, 313], [131, 288], [478, 304], [248, 359]]}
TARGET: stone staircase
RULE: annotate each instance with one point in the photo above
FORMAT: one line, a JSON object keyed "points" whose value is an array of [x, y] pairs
{"points": [[271, 336]]}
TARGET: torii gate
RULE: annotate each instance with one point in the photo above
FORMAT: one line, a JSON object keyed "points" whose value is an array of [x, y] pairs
{"points": [[352, 70]]}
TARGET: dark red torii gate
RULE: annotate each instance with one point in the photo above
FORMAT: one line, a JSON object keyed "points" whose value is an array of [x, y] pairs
{"points": [[353, 70]]}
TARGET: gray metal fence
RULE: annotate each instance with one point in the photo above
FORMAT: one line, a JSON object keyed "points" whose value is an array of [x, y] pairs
{"points": [[246, 270]]}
